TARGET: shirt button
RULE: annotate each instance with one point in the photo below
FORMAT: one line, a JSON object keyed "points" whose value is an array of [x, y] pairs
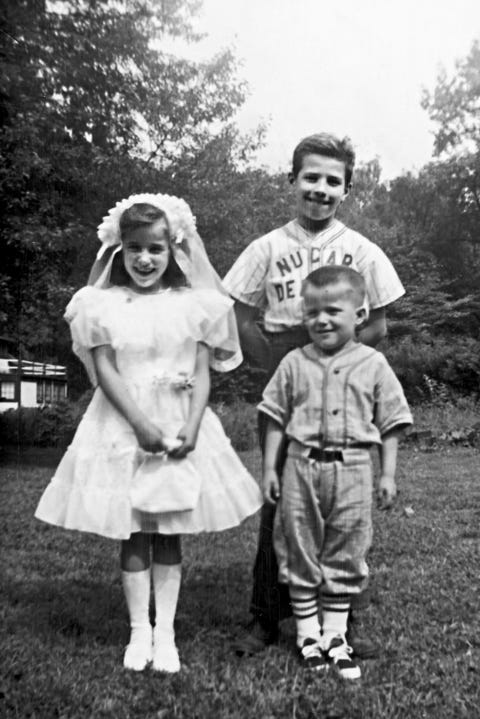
{"points": [[335, 411], [336, 371]]}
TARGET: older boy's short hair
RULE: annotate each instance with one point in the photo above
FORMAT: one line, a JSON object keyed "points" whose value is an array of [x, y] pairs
{"points": [[335, 274], [323, 143]]}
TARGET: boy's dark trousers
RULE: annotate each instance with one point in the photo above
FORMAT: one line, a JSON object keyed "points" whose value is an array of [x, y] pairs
{"points": [[270, 600]]}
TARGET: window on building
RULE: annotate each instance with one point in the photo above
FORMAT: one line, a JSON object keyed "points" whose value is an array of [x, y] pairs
{"points": [[7, 390], [48, 392], [58, 391], [40, 393]]}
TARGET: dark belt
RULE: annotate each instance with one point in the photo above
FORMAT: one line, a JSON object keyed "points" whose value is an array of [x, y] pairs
{"points": [[325, 455], [334, 455], [296, 449]]}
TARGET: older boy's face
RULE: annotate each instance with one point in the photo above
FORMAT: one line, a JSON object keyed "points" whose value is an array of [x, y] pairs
{"points": [[331, 315], [319, 190]]}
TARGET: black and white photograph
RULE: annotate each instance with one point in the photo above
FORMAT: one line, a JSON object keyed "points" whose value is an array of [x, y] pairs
{"points": [[240, 359]]}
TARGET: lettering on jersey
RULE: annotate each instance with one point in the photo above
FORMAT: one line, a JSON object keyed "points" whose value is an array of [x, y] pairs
{"points": [[292, 263], [285, 291], [295, 258], [283, 266]]}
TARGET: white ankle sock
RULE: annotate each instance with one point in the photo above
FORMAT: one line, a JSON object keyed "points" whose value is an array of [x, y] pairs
{"points": [[307, 628], [334, 624], [136, 587], [166, 587]]}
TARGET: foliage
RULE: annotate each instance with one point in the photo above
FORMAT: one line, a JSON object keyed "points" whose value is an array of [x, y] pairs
{"points": [[239, 420], [452, 363], [454, 105], [94, 106], [97, 102], [48, 426], [243, 384]]}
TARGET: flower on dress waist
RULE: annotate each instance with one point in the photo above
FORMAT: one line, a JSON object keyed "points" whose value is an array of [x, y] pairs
{"points": [[182, 380]]}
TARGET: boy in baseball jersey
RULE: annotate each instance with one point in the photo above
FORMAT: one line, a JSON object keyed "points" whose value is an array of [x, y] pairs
{"points": [[266, 283], [332, 399]]}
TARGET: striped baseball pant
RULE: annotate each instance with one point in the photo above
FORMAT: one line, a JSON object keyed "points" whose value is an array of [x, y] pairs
{"points": [[323, 528]]}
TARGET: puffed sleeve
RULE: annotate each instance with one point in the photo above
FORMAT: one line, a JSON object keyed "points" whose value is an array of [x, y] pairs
{"points": [[391, 408], [87, 315], [277, 395], [213, 323]]}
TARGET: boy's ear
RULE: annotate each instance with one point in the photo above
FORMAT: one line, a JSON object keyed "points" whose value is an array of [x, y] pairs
{"points": [[291, 177], [361, 316]]}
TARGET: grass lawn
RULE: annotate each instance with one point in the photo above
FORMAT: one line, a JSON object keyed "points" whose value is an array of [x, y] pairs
{"points": [[65, 622]]}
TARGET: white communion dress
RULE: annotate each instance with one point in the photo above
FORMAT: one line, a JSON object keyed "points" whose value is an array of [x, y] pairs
{"points": [[154, 337]]}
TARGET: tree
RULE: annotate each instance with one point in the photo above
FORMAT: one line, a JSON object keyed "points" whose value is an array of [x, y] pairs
{"points": [[454, 105], [94, 107]]}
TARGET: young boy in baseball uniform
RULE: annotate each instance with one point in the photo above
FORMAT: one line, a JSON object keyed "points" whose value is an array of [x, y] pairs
{"points": [[332, 399], [266, 282]]}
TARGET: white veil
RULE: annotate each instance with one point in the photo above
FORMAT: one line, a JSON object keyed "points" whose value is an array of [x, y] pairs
{"points": [[189, 253]]}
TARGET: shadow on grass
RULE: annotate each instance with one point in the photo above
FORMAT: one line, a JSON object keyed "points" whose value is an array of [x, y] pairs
{"points": [[95, 611], [73, 608]]}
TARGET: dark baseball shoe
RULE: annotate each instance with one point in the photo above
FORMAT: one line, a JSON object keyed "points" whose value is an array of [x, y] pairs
{"points": [[340, 655], [312, 656], [361, 644], [255, 638]]}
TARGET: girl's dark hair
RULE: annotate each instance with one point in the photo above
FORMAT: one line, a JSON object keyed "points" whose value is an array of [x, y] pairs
{"points": [[136, 216], [328, 145]]}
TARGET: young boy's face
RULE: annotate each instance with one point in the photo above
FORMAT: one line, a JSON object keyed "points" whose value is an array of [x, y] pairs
{"points": [[331, 315], [319, 190]]}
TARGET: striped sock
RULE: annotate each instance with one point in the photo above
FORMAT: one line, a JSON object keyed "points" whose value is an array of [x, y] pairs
{"points": [[305, 610]]}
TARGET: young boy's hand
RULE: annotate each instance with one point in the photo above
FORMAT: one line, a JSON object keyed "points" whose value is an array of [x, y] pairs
{"points": [[386, 491], [270, 486]]}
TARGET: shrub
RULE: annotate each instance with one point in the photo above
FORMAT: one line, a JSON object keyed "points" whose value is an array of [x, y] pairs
{"points": [[239, 420], [48, 426], [244, 384], [426, 364]]}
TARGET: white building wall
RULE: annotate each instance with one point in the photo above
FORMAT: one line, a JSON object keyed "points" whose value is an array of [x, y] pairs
{"points": [[29, 394]]}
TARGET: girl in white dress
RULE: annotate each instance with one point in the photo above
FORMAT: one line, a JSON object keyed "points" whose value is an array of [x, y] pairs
{"points": [[150, 460]]}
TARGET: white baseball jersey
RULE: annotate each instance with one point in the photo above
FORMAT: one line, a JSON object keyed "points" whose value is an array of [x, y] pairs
{"points": [[270, 271]]}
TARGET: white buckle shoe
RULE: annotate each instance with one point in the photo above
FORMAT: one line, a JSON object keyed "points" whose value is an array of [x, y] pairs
{"points": [[138, 653], [165, 653]]}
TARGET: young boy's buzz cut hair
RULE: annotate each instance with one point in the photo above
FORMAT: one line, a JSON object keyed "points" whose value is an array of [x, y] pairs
{"points": [[335, 275], [324, 143]]}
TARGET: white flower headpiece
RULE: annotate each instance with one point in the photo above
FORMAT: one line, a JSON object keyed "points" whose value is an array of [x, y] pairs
{"points": [[179, 215]]}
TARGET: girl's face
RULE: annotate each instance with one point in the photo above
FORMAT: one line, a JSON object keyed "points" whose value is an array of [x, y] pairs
{"points": [[146, 253]]}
